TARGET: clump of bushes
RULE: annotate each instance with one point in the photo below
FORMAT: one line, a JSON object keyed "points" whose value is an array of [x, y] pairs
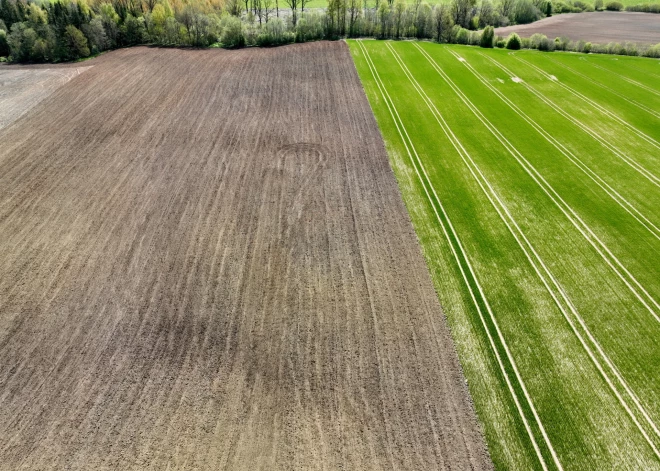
{"points": [[526, 12], [310, 27], [461, 35], [561, 7], [274, 33], [653, 52], [626, 49], [645, 8], [562, 44], [577, 6], [232, 32], [487, 37], [582, 6], [513, 42], [541, 42], [614, 6]]}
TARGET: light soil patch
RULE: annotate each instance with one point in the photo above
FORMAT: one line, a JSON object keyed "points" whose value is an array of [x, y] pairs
{"points": [[22, 88], [205, 263]]}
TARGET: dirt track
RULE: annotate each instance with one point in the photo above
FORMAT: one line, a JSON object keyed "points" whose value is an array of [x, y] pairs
{"points": [[599, 27], [205, 263]]}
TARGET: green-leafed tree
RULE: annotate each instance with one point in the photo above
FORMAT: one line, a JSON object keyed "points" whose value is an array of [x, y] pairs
{"points": [[513, 42], [443, 23], [76, 43], [487, 37], [95, 34]]}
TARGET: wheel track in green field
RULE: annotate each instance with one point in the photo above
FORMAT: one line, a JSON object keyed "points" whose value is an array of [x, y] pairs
{"points": [[602, 109], [473, 167], [503, 209], [605, 87], [461, 259], [627, 79], [589, 235], [612, 193], [645, 72], [616, 151]]}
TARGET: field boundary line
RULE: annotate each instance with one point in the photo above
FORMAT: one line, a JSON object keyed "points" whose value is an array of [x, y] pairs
{"points": [[555, 282], [627, 79], [631, 162], [605, 87], [616, 196], [587, 228], [593, 103], [399, 126]]}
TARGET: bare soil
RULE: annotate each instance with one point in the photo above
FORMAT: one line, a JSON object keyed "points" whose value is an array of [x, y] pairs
{"points": [[205, 263], [599, 27], [21, 88]]}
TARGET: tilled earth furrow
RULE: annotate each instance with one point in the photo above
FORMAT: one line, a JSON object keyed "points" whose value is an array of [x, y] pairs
{"points": [[205, 263]]}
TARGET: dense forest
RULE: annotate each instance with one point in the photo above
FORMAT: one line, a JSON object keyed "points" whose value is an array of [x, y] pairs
{"points": [[59, 30]]}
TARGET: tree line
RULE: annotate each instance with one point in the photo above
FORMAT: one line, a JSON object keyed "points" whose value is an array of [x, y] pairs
{"points": [[58, 30]]}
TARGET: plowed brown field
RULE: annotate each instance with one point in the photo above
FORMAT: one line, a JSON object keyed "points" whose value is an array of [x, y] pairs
{"points": [[600, 27], [205, 263]]}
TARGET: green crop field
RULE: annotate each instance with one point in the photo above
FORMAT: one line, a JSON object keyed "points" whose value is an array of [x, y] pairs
{"points": [[533, 183]]}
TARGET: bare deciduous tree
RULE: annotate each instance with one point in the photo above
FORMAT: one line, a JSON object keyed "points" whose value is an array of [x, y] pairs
{"points": [[399, 12], [486, 14], [233, 7], [293, 4], [462, 12], [149, 5], [268, 9], [353, 15]]}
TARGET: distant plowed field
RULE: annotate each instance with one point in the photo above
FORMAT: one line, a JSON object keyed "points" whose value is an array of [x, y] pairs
{"points": [[205, 263], [600, 27]]}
